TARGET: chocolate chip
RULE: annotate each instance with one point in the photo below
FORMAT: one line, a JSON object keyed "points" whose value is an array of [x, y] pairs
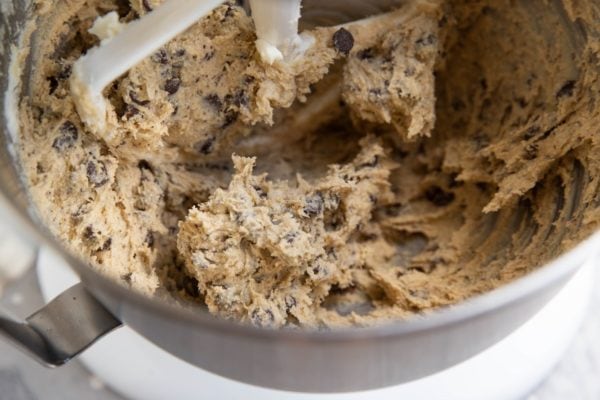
{"points": [[314, 205], [290, 237], [53, 83], [230, 118], [331, 252], [67, 137], [290, 302], [160, 57], [209, 55], [172, 85], [343, 41], [567, 90], [366, 54], [230, 11], [107, 245], [130, 111], [179, 53], [262, 318], [205, 147], [134, 97], [214, 101], [123, 8], [97, 173], [149, 239], [377, 92], [439, 197], [240, 99], [88, 233], [143, 164], [319, 271], [65, 73], [261, 193], [147, 6]]}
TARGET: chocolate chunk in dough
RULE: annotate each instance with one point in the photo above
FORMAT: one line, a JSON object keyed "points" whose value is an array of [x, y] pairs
{"points": [[343, 41], [172, 85], [67, 137], [97, 173]]}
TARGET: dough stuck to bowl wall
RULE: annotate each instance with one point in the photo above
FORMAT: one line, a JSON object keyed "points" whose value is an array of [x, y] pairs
{"points": [[432, 160]]}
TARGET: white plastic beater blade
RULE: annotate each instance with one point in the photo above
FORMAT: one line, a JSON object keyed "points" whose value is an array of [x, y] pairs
{"points": [[276, 24], [138, 40]]}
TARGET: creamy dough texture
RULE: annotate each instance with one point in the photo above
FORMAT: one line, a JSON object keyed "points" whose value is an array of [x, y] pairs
{"points": [[407, 163]]}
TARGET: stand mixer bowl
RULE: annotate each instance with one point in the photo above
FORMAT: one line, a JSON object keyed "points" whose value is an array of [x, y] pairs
{"points": [[329, 361]]}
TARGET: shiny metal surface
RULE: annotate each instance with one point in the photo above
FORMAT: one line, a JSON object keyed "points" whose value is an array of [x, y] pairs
{"points": [[62, 329], [336, 361]]}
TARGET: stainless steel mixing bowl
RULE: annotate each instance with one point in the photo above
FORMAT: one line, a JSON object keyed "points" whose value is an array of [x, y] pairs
{"points": [[331, 361]]}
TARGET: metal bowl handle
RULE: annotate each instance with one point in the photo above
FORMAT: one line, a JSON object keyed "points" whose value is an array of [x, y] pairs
{"points": [[61, 330]]}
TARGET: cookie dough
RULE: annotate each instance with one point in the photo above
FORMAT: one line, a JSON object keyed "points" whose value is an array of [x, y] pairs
{"points": [[450, 149], [267, 251]]}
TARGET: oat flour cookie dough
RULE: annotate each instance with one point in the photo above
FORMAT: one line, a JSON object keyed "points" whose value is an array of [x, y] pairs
{"points": [[410, 162]]}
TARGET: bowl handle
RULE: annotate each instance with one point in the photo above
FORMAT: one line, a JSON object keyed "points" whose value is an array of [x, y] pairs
{"points": [[61, 330]]}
